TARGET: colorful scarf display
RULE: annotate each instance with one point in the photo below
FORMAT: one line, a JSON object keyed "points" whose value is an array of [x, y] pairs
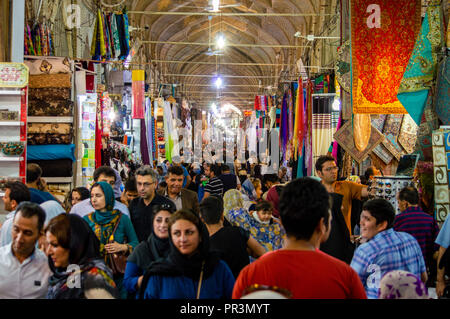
{"points": [[322, 134], [138, 88], [380, 54], [300, 125], [420, 71], [441, 159]]}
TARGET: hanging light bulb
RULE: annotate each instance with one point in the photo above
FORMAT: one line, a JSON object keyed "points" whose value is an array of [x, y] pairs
{"points": [[219, 82], [336, 106], [220, 42], [215, 5]]}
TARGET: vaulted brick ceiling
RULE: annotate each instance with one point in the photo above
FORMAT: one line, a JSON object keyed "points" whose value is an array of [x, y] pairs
{"points": [[257, 30]]}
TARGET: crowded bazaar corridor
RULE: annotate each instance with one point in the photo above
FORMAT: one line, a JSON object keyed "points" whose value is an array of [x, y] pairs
{"points": [[224, 150]]}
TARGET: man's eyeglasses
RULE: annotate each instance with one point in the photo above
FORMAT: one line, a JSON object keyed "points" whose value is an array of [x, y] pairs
{"points": [[145, 184], [329, 169]]}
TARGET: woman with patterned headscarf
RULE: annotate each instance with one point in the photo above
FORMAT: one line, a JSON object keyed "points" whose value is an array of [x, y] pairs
{"points": [[104, 220]]}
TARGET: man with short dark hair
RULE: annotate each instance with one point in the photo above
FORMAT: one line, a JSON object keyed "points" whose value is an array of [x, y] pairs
{"points": [[36, 185], [384, 249], [229, 181], [413, 220], [141, 208], [231, 242], [187, 179], [214, 185], [24, 270], [130, 192], [101, 174], [327, 171], [300, 266], [181, 197], [15, 193]]}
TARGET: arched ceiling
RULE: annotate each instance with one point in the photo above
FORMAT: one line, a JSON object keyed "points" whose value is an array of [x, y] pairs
{"points": [[257, 39]]}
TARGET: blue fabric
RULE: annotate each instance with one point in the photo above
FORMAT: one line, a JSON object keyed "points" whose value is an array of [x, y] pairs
{"points": [[131, 277], [414, 103], [51, 152], [388, 250], [39, 197], [185, 174], [443, 239], [217, 286]]}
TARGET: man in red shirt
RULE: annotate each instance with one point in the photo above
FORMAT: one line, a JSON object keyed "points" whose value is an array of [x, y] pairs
{"points": [[300, 266]]}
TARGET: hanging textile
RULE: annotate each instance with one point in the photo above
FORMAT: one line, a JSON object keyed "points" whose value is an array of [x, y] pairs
{"points": [[299, 126], [322, 134], [284, 127], [391, 131], [429, 123], [346, 140], [308, 147], [148, 125], [138, 88], [343, 67], [143, 143], [361, 131], [442, 98], [381, 53], [408, 134], [168, 130], [441, 159], [334, 152], [98, 48], [98, 134], [420, 71], [380, 150]]}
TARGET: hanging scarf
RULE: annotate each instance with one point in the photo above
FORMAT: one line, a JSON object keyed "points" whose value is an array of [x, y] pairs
{"points": [[115, 36], [284, 127]]}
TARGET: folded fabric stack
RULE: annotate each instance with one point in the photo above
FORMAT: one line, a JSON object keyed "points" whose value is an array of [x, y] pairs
{"points": [[50, 144]]}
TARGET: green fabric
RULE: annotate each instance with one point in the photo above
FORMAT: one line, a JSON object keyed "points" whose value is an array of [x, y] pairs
{"points": [[418, 77], [106, 217]]}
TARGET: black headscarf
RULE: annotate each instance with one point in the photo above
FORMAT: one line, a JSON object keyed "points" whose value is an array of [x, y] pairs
{"points": [[83, 251], [176, 264]]}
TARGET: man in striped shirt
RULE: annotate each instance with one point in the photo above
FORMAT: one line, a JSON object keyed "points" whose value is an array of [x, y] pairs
{"points": [[413, 220], [214, 185]]}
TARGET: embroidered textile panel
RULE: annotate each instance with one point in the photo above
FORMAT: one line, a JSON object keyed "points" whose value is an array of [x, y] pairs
{"points": [[380, 53], [345, 139], [408, 134]]}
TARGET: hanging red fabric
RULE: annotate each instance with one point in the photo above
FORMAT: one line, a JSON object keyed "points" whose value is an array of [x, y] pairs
{"points": [[138, 88]]}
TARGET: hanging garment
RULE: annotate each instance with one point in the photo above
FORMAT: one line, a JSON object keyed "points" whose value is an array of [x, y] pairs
{"points": [[391, 131], [168, 130], [322, 134], [408, 134], [418, 77], [299, 126], [361, 131], [308, 148], [138, 88], [442, 98], [343, 67], [115, 36], [284, 127], [430, 122], [381, 53], [441, 162], [144, 146]]}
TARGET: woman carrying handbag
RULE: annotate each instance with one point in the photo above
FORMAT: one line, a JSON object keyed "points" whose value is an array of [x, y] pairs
{"points": [[114, 231]]}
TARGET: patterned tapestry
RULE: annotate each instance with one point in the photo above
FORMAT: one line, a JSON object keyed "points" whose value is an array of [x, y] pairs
{"points": [[441, 158], [421, 68], [381, 49], [408, 134], [391, 131], [345, 139], [429, 123], [442, 98]]}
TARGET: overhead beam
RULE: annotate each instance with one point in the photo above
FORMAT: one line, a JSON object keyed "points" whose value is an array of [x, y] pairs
{"points": [[236, 45], [229, 14]]}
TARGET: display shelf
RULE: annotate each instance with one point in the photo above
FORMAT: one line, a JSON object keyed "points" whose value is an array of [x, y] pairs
{"points": [[57, 180], [10, 159], [50, 119], [10, 92], [11, 123]]}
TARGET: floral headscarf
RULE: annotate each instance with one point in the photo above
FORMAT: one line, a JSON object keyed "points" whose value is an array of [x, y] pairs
{"points": [[400, 284], [232, 200]]}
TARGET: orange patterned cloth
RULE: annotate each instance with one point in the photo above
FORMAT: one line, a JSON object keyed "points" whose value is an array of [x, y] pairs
{"points": [[380, 55]]}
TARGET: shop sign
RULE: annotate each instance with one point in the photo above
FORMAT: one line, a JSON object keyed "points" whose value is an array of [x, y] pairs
{"points": [[13, 75]]}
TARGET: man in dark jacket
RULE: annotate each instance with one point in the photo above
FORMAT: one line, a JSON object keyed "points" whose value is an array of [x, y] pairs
{"points": [[229, 181]]}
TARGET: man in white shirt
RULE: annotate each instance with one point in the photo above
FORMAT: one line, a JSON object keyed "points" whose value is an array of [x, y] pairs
{"points": [[24, 269], [101, 174], [15, 193]]}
